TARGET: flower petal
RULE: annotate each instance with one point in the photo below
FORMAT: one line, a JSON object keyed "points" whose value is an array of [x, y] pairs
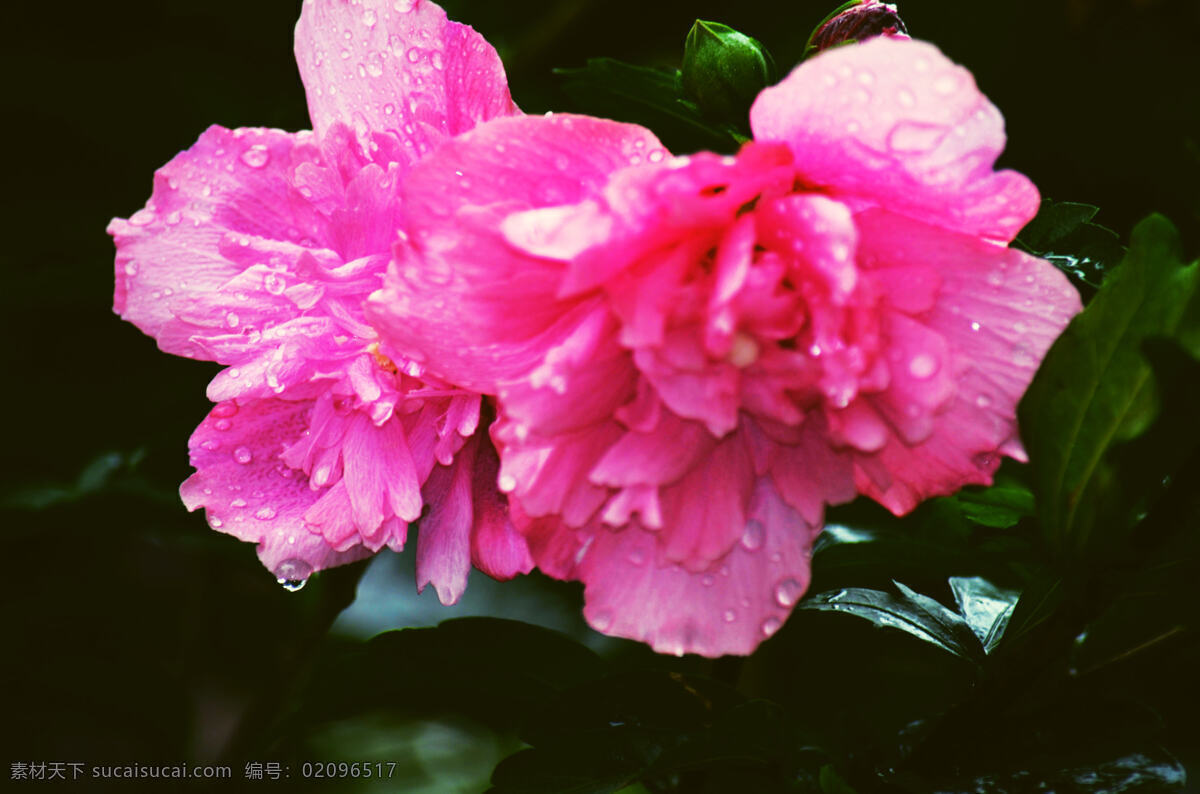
{"points": [[996, 314], [398, 67], [897, 124], [459, 297], [632, 591], [249, 492], [230, 187]]}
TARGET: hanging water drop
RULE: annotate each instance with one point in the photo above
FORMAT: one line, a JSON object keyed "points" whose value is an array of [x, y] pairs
{"points": [[293, 574]]}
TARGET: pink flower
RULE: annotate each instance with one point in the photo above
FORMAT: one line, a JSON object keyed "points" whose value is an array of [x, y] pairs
{"points": [[693, 356], [257, 250]]}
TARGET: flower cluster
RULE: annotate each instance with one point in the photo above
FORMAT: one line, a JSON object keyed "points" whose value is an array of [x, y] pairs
{"points": [[688, 358]]}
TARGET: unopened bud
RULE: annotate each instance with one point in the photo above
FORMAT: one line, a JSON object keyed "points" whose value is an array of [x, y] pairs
{"points": [[723, 71], [855, 21]]}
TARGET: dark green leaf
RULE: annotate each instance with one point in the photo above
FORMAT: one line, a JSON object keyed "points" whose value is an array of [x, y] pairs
{"points": [[985, 607], [1000, 506], [1037, 604], [1095, 388], [911, 612], [832, 783], [1063, 233], [650, 97]]}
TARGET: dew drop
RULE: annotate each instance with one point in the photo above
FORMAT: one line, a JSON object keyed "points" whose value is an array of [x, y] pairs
{"points": [[946, 84], [922, 365], [413, 55], [771, 625], [729, 616], [215, 522], [293, 574], [983, 401], [243, 455], [223, 424], [265, 513], [232, 320], [142, 217], [507, 483], [707, 580], [906, 98], [601, 620], [1022, 357], [368, 18], [131, 268], [404, 6], [752, 538], [788, 591], [235, 373], [637, 557], [274, 283], [239, 502], [438, 62], [975, 326], [256, 156], [389, 109]]}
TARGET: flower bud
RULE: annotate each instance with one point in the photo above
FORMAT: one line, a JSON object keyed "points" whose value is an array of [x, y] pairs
{"points": [[723, 71], [855, 21]]}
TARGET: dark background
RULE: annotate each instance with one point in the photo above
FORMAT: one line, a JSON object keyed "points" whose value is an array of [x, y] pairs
{"points": [[135, 632]]}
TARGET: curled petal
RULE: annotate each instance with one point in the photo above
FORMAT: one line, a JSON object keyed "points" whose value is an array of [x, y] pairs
{"points": [[896, 124], [632, 590], [230, 187], [398, 67]]}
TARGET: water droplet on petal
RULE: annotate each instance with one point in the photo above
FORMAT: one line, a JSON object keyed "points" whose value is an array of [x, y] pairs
{"points": [[729, 616], [788, 591], [771, 625], [413, 55], [274, 283], [507, 483], [239, 502], [243, 455], [368, 18], [256, 156], [601, 620], [215, 522], [637, 557], [293, 574], [707, 580], [752, 538], [404, 6], [223, 424], [922, 365], [265, 513], [983, 401], [131, 268], [232, 320]]}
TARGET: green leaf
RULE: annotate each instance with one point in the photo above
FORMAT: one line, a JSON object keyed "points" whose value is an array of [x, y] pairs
{"points": [[985, 607], [1096, 389], [1063, 233], [832, 783], [1000, 506], [651, 97], [911, 612], [1038, 603]]}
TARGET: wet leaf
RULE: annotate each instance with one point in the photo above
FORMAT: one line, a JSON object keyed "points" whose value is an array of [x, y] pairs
{"points": [[985, 607], [910, 612], [1096, 388]]}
